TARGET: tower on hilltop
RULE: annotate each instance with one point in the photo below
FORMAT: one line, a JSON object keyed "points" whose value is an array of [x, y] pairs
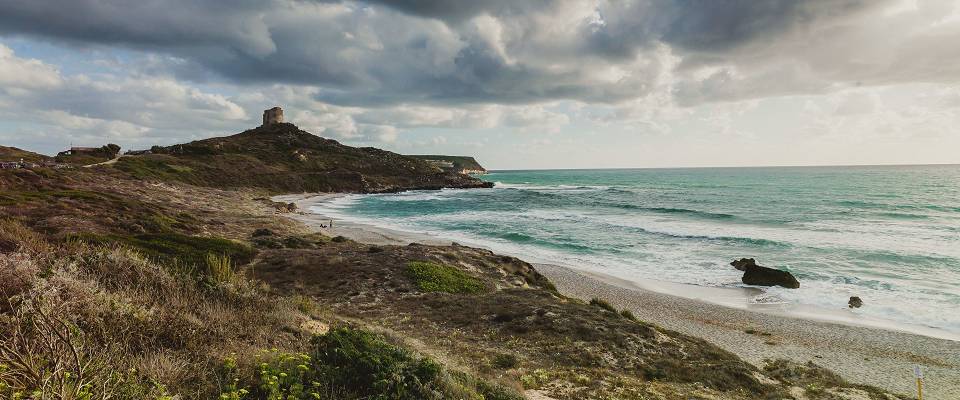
{"points": [[272, 116]]}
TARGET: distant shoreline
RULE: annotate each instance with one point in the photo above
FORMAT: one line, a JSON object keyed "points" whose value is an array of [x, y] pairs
{"points": [[720, 315]]}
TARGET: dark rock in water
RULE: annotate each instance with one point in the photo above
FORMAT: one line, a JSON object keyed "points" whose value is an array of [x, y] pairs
{"points": [[854, 302], [742, 263], [754, 274]]}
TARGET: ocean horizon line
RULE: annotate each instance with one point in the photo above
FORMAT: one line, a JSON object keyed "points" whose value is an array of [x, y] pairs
{"points": [[957, 164]]}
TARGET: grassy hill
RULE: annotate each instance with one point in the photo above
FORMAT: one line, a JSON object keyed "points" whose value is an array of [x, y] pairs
{"points": [[126, 289], [282, 158], [15, 154], [117, 287], [460, 163]]}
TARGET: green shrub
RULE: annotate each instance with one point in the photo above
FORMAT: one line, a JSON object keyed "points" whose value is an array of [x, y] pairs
{"points": [[596, 301], [279, 376], [305, 304], [219, 268], [535, 379], [433, 277], [505, 361], [367, 366], [298, 242], [349, 363], [184, 253], [629, 315]]}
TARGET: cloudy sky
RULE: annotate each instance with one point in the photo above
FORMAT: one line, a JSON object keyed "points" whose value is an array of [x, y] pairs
{"points": [[519, 84]]}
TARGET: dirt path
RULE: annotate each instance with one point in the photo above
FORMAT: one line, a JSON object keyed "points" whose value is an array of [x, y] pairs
{"points": [[109, 162]]}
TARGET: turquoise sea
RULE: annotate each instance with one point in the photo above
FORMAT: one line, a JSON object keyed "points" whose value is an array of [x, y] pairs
{"points": [[889, 234]]}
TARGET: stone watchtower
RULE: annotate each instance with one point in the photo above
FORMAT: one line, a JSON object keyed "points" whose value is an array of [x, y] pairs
{"points": [[273, 116]]}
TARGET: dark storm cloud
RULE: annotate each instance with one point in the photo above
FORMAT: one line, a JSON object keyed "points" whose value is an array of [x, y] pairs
{"points": [[383, 52], [146, 23], [699, 25], [451, 10], [708, 26]]}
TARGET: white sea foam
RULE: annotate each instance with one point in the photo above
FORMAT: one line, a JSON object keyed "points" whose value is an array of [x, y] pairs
{"points": [[901, 259]]}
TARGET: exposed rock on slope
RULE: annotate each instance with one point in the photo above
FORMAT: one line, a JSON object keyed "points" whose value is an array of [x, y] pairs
{"points": [[282, 158], [463, 164]]}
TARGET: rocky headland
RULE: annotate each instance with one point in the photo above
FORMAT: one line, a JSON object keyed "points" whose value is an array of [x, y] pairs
{"points": [[171, 274]]}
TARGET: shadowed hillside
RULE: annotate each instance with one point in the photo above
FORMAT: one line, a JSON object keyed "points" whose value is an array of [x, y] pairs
{"points": [[282, 158]]}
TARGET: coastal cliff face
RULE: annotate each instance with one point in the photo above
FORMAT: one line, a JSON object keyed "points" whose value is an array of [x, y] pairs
{"points": [[283, 159], [459, 164]]}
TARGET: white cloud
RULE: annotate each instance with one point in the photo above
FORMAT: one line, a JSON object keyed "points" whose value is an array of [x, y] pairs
{"points": [[18, 74], [130, 110]]}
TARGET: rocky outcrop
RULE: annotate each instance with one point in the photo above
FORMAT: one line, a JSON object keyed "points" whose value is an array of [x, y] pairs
{"points": [[855, 302], [282, 158], [754, 274]]}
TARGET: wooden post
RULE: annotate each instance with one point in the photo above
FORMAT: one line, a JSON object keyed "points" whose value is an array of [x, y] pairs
{"points": [[919, 374]]}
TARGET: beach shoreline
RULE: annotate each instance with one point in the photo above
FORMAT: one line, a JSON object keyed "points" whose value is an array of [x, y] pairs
{"points": [[873, 352]]}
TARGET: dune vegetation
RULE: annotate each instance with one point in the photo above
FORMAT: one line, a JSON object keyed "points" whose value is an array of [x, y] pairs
{"points": [[120, 283]]}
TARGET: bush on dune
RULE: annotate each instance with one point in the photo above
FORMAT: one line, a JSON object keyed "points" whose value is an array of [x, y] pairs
{"points": [[433, 277], [189, 255], [350, 363]]}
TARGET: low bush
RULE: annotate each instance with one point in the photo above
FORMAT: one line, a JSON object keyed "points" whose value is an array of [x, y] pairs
{"points": [[505, 361], [433, 277], [278, 376], [184, 253], [366, 365], [219, 269], [596, 301], [262, 232], [349, 363], [629, 315]]}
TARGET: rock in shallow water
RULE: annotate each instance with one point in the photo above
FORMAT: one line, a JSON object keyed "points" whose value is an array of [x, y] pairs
{"points": [[854, 302], [754, 274]]}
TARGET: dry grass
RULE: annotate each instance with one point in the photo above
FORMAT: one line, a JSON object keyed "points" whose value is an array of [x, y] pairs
{"points": [[91, 321], [83, 321], [163, 319]]}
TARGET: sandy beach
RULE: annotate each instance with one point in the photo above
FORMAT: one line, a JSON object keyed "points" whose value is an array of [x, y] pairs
{"points": [[862, 351]]}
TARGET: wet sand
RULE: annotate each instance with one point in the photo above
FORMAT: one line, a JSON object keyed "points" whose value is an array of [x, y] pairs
{"points": [[872, 352]]}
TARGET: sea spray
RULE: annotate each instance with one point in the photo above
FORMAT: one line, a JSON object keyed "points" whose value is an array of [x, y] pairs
{"points": [[886, 234]]}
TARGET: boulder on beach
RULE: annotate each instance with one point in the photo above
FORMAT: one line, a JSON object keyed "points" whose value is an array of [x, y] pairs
{"points": [[754, 274], [854, 302]]}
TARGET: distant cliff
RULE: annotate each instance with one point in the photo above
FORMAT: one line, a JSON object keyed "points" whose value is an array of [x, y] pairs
{"points": [[461, 164]]}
